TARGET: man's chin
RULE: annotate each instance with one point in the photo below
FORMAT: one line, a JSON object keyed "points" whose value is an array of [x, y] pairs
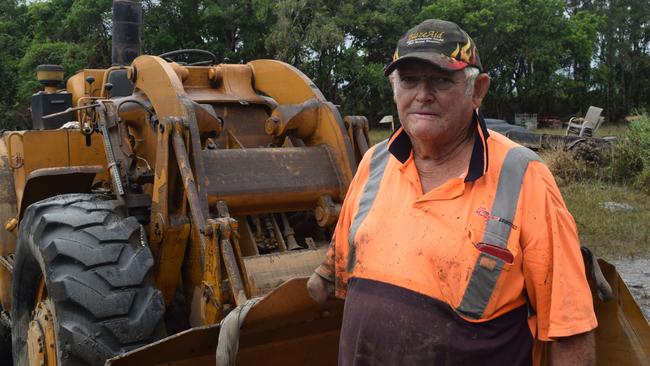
{"points": [[425, 123], [427, 131]]}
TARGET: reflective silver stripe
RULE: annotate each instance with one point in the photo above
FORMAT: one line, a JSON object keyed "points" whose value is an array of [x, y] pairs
{"points": [[377, 166], [484, 277], [505, 201]]}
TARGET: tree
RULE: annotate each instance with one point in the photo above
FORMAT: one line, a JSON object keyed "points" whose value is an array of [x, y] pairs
{"points": [[12, 42], [556, 56]]}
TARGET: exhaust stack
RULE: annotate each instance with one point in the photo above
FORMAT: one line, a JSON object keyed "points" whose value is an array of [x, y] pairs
{"points": [[127, 24]]}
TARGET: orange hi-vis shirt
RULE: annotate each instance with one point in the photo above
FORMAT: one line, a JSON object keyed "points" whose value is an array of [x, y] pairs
{"points": [[437, 243]]}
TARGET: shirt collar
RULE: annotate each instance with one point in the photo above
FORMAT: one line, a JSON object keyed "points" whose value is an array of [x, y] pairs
{"points": [[400, 146]]}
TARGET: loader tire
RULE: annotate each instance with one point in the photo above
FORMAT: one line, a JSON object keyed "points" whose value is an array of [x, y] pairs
{"points": [[5, 341], [96, 268]]}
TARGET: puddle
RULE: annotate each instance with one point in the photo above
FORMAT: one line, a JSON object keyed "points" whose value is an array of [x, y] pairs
{"points": [[636, 274]]}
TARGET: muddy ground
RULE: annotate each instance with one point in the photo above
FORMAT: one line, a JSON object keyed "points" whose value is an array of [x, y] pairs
{"points": [[636, 274]]}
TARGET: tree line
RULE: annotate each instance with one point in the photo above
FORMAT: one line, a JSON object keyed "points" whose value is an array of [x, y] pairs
{"points": [[550, 57]]}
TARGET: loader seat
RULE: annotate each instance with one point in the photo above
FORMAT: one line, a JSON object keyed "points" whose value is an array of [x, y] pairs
{"points": [[122, 86]]}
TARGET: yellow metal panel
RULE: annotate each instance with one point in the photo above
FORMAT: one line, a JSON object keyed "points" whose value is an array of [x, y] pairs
{"points": [[283, 82], [197, 77], [162, 86], [623, 334], [45, 149], [82, 155], [36, 150], [51, 149]]}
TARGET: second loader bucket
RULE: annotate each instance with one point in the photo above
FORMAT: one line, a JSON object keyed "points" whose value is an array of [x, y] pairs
{"points": [[623, 334]]}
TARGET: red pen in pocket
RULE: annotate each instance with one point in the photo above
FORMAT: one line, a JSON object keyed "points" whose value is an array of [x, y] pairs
{"points": [[500, 252]]}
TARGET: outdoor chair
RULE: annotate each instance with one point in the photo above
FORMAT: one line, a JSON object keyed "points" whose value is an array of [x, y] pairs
{"points": [[589, 125]]}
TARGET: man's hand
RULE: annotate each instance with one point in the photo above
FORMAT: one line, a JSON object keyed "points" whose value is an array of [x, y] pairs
{"points": [[319, 288], [577, 350]]}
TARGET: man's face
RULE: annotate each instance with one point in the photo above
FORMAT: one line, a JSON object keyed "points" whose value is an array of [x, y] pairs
{"points": [[433, 106]]}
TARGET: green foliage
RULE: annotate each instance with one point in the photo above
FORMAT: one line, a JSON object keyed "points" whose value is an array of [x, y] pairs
{"points": [[74, 34], [233, 30], [631, 161], [11, 44], [544, 56], [71, 56]]}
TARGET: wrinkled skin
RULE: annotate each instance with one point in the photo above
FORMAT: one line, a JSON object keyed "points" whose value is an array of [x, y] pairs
{"points": [[435, 109]]}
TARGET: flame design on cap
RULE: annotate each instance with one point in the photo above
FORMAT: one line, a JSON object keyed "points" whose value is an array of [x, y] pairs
{"points": [[467, 52], [455, 53], [455, 64], [395, 55]]}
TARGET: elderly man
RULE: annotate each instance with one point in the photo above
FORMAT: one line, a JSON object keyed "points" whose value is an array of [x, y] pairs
{"points": [[454, 246]]}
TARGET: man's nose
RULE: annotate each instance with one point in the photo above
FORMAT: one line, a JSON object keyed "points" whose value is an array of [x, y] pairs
{"points": [[426, 92]]}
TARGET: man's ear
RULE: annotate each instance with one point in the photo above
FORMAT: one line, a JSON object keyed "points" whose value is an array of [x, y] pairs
{"points": [[481, 86]]}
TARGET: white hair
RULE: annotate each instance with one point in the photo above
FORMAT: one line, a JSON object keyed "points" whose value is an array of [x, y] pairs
{"points": [[471, 73]]}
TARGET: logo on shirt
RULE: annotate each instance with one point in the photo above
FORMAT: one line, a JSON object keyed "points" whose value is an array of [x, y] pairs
{"points": [[484, 213]]}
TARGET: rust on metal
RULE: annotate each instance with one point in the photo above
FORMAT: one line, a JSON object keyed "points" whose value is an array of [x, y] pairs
{"points": [[327, 212], [188, 177], [212, 305], [160, 190], [301, 120], [41, 338], [266, 272], [287, 327], [292, 179], [234, 276], [358, 128], [170, 256]]}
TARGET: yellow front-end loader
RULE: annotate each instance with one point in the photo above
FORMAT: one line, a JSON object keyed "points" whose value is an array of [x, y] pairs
{"points": [[156, 196], [166, 212]]}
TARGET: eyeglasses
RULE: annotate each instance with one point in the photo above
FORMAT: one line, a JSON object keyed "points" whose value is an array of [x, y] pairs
{"points": [[439, 83]]}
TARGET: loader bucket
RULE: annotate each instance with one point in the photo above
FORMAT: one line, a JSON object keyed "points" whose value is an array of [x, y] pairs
{"points": [[623, 334], [285, 328]]}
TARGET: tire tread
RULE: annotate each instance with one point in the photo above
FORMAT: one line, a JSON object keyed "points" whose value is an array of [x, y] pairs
{"points": [[98, 274]]}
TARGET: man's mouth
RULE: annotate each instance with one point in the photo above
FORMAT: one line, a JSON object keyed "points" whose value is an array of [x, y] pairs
{"points": [[424, 113]]}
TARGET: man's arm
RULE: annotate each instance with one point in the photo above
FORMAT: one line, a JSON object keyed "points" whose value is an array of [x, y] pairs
{"points": [[577, 350]]}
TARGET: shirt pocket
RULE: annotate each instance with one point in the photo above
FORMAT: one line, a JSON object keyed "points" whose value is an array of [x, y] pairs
{"points": [[490, 250]]}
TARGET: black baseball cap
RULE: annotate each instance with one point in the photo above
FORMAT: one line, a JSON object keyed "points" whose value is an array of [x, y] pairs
{"points": [[442, 43]]}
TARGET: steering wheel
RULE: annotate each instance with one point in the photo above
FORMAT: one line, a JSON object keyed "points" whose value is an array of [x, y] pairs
{"points": [[212, 61]]}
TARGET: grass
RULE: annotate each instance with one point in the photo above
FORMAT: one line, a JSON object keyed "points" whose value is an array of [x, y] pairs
{"points": [[610, 234], [378, 135], [617, 130]]}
